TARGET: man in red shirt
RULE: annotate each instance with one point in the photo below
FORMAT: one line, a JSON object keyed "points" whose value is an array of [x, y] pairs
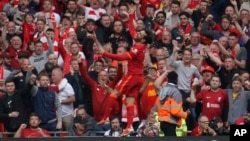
{"points": [[213, 100], [131, 83], [34, 131]]}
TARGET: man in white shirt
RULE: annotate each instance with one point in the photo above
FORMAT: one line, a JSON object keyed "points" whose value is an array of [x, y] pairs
{"points": [[66, 98]]}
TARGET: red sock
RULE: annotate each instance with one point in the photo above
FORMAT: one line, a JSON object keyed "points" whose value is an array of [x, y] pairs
{"points": [[130, 115], [111, 106]]}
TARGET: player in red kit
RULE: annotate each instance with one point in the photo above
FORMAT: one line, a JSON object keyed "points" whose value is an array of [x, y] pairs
{"points": [[131, 83]]}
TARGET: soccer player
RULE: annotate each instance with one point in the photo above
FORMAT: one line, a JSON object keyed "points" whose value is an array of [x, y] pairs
{"points": [[131, 83]]}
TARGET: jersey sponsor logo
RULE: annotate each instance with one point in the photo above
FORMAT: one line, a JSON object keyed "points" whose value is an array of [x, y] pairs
{"points": [[211, 105]]}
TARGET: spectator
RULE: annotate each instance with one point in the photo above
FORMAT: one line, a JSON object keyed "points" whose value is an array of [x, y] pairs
{"points": [[94, 11], [185, 28], [14, 49], [238, 99], [80, 128], [149, 127], [103, 31], [95, 69], [81, 111], [112, 72], [50, 16], [75, 80], [45, 102], [184, 80], [172, 17], [33, 130], [21, 76], [13, 111], [7, 62], [165, 95], [53, 58], [98, 94], [4, 73], [116, 128], [214, 34], [40, 57], [214, 100], [66, 98], [203, 129], [227, 72]]}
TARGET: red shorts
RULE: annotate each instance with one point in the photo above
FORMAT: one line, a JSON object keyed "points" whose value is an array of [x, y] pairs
{"points": [[130, 85]]}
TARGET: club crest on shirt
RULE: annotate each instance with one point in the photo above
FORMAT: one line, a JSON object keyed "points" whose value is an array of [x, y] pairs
{"points": [[219, 99], [134, 50]]}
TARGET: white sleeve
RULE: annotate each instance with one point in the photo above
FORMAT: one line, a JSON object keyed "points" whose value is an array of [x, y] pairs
{"points": [[69, 90]]}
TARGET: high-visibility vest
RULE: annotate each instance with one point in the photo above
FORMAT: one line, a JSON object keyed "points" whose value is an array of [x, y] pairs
{"points": [[164, 111], [182, 129]]}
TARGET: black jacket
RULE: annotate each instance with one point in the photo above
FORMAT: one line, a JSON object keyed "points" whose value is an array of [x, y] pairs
{"points": [[12, 103]]}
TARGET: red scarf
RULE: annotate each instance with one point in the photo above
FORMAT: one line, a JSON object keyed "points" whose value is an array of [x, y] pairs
{"points": [[28, 32], [186, 30], [233, 52]]}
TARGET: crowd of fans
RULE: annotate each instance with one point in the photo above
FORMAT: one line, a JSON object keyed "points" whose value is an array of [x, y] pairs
{"points": [[124, 67]]}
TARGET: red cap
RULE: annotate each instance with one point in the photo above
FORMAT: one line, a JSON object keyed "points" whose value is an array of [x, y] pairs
{"points": [[208, 68]]}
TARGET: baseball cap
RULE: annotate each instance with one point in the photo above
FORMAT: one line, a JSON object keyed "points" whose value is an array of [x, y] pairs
{"points": [[208, 68], [79, 119], [179, 39]]}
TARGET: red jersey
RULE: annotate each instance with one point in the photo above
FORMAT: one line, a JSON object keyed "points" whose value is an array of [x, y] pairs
{"points": [[135, 58], [98, 93], [32, 133], [212, 102]]}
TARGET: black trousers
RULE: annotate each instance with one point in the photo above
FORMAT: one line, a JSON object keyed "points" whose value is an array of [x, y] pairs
{"points": [[168, 129], [190, 121]]}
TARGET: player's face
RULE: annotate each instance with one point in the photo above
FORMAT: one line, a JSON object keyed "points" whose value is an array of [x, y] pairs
{"points": [[34, 122], [140, 36]]}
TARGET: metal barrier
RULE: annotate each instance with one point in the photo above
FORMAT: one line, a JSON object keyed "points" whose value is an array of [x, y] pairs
{"points": [[200, 138], [53, 134]]}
